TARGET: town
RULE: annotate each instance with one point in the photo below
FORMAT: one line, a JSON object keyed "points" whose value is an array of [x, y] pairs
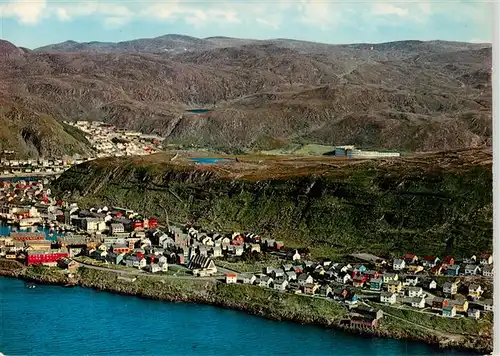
{"points": [[120, 239], [105, 140]]}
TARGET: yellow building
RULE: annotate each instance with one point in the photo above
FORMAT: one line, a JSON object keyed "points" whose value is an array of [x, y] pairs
{"points": [[460, 305], [415, 268], [394, 286]]}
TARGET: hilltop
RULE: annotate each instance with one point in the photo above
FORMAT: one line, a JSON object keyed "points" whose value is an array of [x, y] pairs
{"points": [[263, 94], [437, 203]]}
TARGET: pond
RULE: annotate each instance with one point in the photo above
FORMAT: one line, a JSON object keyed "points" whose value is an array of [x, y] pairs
{"points": [[198, 111], [208, 160]]}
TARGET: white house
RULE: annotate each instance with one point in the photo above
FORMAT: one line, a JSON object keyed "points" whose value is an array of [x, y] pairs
{"points": [[488, 305], [296, 256], [280, 284], [411, 281], [414, 292], [472, 270], [418, 302], [450, 288], [488, 270], [155, 268], [248, 278], [398, 264], [388, 297], [231, 278], [432, 284]]}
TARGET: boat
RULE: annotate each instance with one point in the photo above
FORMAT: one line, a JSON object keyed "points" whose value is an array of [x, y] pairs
{"points": [[70, 285], [30, 285]]}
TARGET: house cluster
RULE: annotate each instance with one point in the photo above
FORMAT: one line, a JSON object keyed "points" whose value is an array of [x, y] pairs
{"points": [[107, 140], [42, 166], [481, 265], [323, 278], [31, 248], [24, 192]]}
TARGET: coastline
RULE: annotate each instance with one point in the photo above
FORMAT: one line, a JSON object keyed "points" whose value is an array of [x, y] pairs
{"points": [[251, 300]]}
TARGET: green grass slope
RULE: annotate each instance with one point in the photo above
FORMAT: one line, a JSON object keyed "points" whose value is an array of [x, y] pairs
{"points": [[428, 204]]}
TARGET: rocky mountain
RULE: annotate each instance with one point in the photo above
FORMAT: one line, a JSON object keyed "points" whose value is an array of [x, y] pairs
{"points": [[407, 95]]}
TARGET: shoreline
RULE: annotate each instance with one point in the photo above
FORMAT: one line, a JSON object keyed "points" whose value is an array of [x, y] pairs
{"points": [[176, 291]]}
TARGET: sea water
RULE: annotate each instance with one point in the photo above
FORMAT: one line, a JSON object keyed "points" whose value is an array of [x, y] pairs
{"points": [[53, 320]]}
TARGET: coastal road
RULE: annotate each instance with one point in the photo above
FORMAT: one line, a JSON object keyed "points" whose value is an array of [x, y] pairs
{"points": [[143, 273]]}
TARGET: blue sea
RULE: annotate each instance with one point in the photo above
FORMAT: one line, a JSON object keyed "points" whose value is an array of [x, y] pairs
{"points": [[52, 320]]}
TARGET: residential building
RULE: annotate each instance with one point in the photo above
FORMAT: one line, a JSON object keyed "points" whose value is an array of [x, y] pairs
{"points": [[325, 291], [388, 297], [416, 302], [488, 305], [343, 277], [439, 303], [461, 305], [411, 281], [117, 228], [394, 286], [359, 281], [231, 278], [432, 285], [472, 270], [310, 288], [415, 291], [154, 268], [449, 311], [248, 278], [398, 264], [430, 261], [471, 260], [304, 279], [202, 265], [296, 256], [410, 258], [486, 259], [415, 268], [280, 284], [475, 291], [376, 283], [474, 313], [450, 288], [452, 270], [488, 270], [389, 277], [291, 276], [265, 281]]}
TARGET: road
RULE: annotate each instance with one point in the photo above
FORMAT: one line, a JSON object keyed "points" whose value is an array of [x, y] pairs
{"points": [[143, 273]]}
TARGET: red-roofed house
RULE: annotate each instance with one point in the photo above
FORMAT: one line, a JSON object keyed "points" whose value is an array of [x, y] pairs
{"points": [[410, 258]]}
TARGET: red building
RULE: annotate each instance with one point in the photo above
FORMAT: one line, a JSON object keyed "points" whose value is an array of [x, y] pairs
{"points": [[152, 223], [45, 257], [138, 225], [27, 236]]}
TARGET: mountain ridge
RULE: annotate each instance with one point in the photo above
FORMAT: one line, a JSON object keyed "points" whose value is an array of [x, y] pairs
{"points": [[403, 95]]}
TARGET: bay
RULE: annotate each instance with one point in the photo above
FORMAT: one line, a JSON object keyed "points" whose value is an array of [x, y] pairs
{"points": [[52, 320]]}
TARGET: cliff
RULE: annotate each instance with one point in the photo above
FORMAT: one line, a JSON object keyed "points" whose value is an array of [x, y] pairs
{"points": [[429, 204]]}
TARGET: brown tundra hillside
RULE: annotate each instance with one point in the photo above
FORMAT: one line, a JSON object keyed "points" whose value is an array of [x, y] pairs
{"points": [[408, 95]]}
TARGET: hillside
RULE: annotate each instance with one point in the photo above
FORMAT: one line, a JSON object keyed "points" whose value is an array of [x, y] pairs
{"points": [[429, 203], [408, 95]]}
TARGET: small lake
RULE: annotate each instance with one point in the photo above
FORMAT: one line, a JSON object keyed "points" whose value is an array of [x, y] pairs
{"points": [[208, 160], [198, 111]]}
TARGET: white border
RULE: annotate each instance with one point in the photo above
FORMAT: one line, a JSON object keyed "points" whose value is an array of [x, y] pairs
{"points": [[496, 172]]}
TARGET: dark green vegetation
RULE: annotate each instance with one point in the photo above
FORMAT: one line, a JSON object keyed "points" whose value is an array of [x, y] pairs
{"points": [[426, 204], [407, 95]]}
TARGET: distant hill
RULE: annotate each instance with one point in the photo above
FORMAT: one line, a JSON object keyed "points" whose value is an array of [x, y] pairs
{"points": [[262, 94]]}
